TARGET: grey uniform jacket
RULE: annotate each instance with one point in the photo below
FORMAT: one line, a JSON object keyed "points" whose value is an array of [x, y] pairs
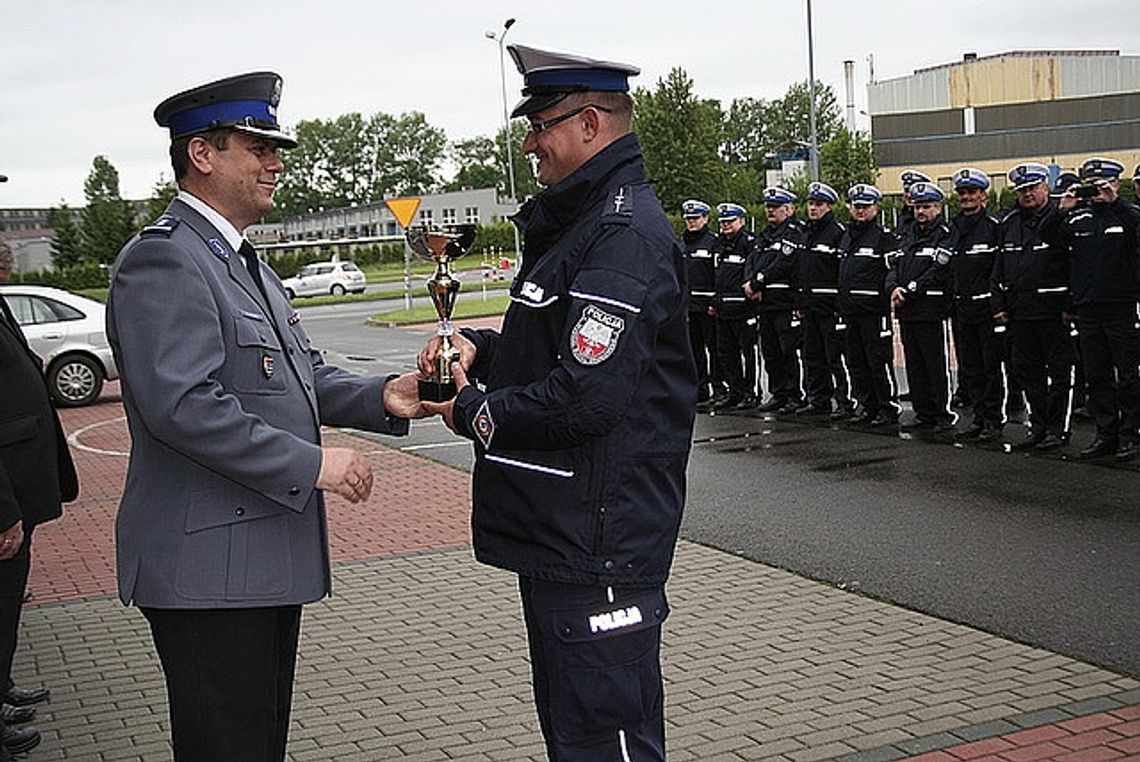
{"points": [[224, 397]]}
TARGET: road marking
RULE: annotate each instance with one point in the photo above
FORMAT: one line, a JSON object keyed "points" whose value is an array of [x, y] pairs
{"points": [[73, 439]]}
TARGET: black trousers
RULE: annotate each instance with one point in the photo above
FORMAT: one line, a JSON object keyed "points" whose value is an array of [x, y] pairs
{"points": [[781, 336], [702, 338], [736, 352], [1110, 348], [870, 359], [229, 679], [1042, 362], [595, 657], [13, 582], [927, 369], [825, 371], [980, 370]]}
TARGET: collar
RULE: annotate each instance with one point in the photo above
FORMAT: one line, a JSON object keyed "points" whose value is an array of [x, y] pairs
{"points": [[228, 231]]}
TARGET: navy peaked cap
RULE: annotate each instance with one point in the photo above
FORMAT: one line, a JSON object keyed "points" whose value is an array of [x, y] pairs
{"points": [[911, 176], [774, 195], [694, 208], [1065, 181], [246, 103], [1027, 174], [549, 77], [864, 194], [822, 192], [1101, 168], [923, 192], [730, 211], [968, 177]]}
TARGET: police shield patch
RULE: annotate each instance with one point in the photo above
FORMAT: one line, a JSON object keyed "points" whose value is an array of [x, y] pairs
{"points": [[595, 336]]}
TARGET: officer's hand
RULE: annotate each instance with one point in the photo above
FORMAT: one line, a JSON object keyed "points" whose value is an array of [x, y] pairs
{"points": [[425, 360], [446, 410], [898, 297], [1001, 318], [712, 311], [747, 287], [1068, 200], [10, 540], [402, 397], [345, 472]]}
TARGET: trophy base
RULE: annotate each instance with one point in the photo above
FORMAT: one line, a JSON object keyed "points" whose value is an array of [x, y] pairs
{"points": [[436, 391]]}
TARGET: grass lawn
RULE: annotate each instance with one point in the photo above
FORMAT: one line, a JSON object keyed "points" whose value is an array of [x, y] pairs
{"points": [[469, 307]]}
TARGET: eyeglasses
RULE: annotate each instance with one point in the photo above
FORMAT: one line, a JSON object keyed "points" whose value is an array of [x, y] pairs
{"points": [[543, 126]]}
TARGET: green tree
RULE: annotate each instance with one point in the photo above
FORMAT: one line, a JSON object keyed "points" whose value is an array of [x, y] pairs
{"points": [[107, 222], [745, 132], [788, 120], [411, 153], [847, 159], [525, 183], [480, 165], [680, 137], [65, 246], [165, 189]]}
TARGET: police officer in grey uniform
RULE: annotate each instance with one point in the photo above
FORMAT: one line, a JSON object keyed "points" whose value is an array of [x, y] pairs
{"points": [[221, 533], [583, 424]]}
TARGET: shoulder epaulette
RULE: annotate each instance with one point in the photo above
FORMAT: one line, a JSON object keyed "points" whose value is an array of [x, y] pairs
{"points": [[164, 226], [619, 207]]}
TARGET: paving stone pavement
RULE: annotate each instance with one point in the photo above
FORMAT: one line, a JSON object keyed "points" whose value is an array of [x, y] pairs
{"points": [[420, 653]]}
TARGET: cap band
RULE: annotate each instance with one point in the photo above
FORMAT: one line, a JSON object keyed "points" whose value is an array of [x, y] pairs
{"points": [[222, 114], [576, 79]]}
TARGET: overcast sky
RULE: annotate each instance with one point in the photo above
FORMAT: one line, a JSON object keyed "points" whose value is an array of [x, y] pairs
{"points": [[82, 78]]}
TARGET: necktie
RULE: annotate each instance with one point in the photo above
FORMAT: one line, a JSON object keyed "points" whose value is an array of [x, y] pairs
{"points": [[254, 267]]}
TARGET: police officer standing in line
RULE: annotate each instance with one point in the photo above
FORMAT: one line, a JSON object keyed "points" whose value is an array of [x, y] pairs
{"points": [[919, 282], [735, 314], [865, 308], [1104, 278], [1030, 293], [906, 217], [583, 425], [978, 342], [699, 245], [825, 372], [771, 282]]}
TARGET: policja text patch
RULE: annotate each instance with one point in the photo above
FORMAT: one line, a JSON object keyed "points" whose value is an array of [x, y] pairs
{"points": [[595, 336]]}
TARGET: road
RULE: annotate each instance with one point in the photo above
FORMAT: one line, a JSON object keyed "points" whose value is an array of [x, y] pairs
{"points": [[1039, 549]]}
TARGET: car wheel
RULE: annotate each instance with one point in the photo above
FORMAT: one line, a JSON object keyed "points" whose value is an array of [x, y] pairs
{"points": [[75, 380], [289, 293], [337, 290]]}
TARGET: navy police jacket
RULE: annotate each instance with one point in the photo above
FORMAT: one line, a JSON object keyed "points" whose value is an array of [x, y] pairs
{"points": [[1104, 259], [772, 267], [583, 430], [732, 253], [978, 235], [922, 271], [866, 248], [699, 247], [818, 271], [1031, 274]]}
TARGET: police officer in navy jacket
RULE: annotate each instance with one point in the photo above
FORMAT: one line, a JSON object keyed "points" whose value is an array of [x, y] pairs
{"points": [[866, 248], [735, 313], [699, 244], [1104, 278], [583, 422]]}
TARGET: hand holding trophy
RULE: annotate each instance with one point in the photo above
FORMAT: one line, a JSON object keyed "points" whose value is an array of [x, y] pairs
{"points": [[442, 245]]}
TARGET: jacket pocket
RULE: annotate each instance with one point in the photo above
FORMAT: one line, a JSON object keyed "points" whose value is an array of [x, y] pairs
{"points": [[259, 366], [18, 429]]}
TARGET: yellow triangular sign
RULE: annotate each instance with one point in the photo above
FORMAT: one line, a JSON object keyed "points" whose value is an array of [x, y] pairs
{"points": [[403, 209]]}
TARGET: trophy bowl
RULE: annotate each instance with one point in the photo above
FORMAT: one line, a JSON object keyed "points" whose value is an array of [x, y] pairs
{"points": [[441, 245]]}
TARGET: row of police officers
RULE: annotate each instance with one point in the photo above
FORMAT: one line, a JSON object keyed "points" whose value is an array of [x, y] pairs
{"points": [[1041, 299]]}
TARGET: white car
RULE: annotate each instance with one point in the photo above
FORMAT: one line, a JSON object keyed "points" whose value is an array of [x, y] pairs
{"points": [[319, 278], [69, 334]]}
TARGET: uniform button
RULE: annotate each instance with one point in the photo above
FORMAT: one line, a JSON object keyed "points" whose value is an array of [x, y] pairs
{"points": [[294, 490], [240, 511], [566, 630], [608, 565]]}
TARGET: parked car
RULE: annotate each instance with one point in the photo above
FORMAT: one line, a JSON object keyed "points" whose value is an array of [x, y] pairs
{"points": [[326, 278], [68, 332]]}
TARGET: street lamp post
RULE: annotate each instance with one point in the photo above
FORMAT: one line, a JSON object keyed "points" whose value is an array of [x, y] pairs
{"points": [[814, 149], [500, 38]]}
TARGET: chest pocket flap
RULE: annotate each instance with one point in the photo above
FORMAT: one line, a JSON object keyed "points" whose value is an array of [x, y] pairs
{"points": [[249, 332]]}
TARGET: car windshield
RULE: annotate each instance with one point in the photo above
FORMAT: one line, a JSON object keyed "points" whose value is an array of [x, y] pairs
{"points": [[349, 267]]}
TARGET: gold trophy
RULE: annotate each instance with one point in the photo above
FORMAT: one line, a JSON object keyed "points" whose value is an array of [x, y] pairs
{"points": [[442, 245]]}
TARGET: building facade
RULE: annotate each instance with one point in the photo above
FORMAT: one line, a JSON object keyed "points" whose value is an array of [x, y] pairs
{"points": [[1055, 107]]}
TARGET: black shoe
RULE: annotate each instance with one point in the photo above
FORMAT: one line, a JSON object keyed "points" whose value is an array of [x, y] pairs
{"points": [[791, 407], [808, 408], [748, 403], [1100, 448], [25, 696], [1128, 450], [884, 419], [16, 715], [772, 405], [703, 395], [974, 430], [1032, 439], [21, 740], [725, 403], [863, 417], [944, 425], [990, 433], [1050, 442], [842, 414]]}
